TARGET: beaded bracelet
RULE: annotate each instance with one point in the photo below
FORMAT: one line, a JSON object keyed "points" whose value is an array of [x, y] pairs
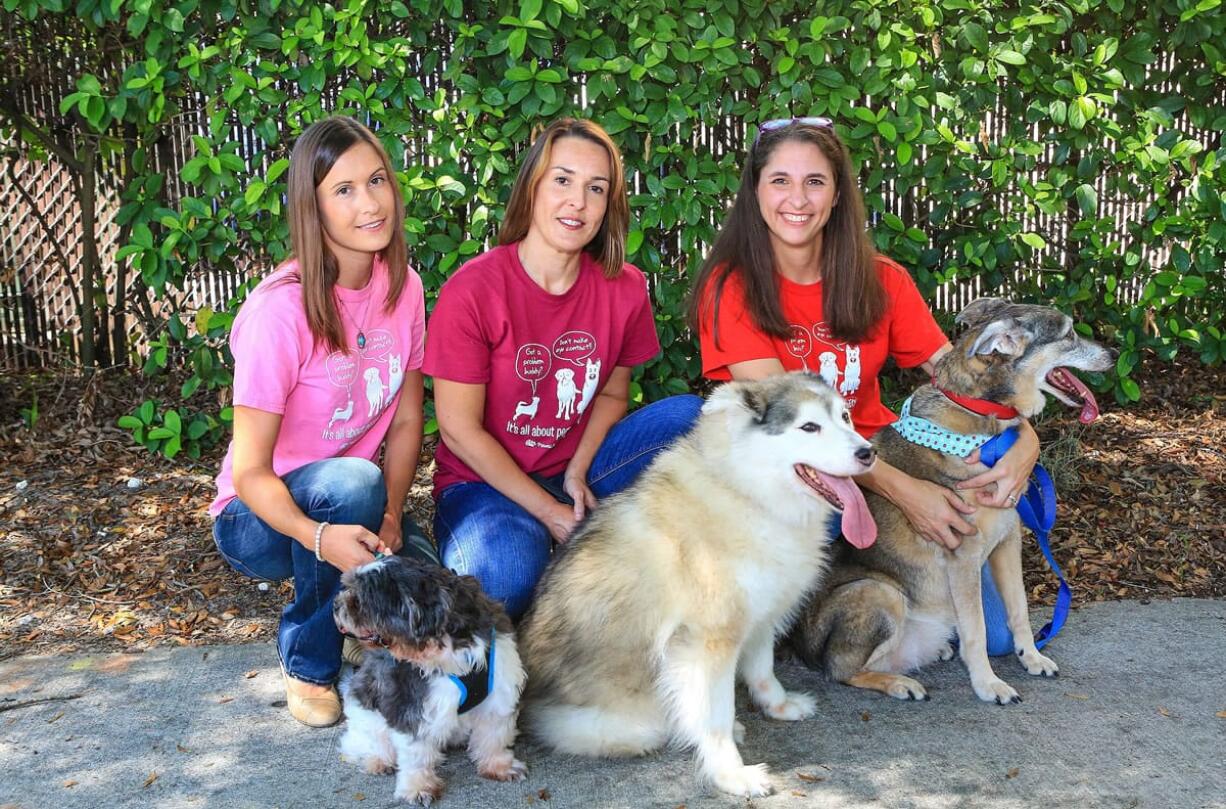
{"points": [[319, 533]]}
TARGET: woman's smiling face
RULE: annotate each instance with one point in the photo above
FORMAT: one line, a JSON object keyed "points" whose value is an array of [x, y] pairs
{"points": [[796, 192]]}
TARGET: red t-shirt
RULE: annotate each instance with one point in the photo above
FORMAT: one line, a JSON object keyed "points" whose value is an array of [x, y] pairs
{"points": [[541, 357], [907, 332]]}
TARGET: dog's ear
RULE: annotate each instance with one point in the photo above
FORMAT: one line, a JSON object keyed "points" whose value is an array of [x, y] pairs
{"points": [[980, 311], [1007, 337]]}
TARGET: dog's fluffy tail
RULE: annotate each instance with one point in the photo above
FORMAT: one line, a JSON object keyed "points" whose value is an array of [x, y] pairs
{"points": [[591, 731]]}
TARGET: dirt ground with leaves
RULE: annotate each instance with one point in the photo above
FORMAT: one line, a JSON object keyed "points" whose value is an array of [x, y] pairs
{"points": [[104, 547]]}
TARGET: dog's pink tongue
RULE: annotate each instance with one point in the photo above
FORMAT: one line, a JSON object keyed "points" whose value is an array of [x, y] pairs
{"points": [[858, 524], [1089, 406]]}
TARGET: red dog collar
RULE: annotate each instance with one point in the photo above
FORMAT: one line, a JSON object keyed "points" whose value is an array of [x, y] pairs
{"points": [[982, 407]]}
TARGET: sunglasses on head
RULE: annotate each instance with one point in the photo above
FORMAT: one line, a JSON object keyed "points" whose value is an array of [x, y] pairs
{"points": [[818, 121]]}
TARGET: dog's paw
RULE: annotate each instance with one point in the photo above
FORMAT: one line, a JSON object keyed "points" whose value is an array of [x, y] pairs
{"points": [[998, 691], [750, 781], [379, 766], [512, 769], [907, 689], [795, 706], [738, 732], [1037, 664], [420, 788], [947, 653]]}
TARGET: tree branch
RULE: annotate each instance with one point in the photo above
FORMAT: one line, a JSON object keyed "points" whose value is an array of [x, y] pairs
{"points": [[23, 122]]}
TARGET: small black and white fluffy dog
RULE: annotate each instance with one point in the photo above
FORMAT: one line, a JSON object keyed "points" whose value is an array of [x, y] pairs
{"points": [[441, 667]]}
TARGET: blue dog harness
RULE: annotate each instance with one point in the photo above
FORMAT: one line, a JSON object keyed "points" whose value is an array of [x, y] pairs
{"points": [[477, 684], [1036, 508]]}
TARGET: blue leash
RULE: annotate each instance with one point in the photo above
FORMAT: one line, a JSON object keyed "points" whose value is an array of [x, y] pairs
{"points": [[1037, 510]]}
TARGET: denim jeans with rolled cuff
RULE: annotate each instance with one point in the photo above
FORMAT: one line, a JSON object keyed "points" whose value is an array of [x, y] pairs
{"points": [[483, 533], [341, 491]]}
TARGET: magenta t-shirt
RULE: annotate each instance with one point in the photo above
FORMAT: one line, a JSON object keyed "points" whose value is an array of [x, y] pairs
{"points": [[541, 357], [331, 403]]}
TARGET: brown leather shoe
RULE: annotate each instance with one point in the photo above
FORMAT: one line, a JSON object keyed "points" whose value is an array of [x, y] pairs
{"points": [[309, 707], [352, 651]]}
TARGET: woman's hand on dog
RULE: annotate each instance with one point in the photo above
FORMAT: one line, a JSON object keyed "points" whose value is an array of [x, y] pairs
{"points": [[935, 512], [1011, 474], [348, 546], [559, 518], [389, 533]]}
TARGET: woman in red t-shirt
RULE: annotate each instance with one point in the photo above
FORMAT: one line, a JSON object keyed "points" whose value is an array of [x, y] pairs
{"points": [[793, 282]]}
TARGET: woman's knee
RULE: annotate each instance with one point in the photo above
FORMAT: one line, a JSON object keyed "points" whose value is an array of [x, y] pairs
{"points": [[341, 490], [507, 555]]}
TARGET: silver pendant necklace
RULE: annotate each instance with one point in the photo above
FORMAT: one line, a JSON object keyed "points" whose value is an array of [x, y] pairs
{"points": [[361, 326]]}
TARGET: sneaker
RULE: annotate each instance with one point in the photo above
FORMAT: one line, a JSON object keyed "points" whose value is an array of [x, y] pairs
{"points": [[310, 707]]}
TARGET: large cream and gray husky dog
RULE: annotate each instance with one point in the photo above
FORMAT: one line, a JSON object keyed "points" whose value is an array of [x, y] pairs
{"points": [[643, 620], [892, 608]]}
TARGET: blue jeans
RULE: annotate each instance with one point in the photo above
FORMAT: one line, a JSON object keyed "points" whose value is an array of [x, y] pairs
{"points": [[483, 533], [343, 491]]}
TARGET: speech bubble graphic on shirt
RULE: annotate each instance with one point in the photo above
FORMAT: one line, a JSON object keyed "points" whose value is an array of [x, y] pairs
{"points": [[800, 344], [574, 347], [378, 343], [532, 363], [822, 332], [342, 369]]}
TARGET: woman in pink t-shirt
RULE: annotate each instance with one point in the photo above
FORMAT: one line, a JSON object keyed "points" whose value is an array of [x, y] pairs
{"points": [[531, 347], [327, 358]]}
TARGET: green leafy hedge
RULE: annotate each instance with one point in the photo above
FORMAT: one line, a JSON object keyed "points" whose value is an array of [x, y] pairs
{"points": [[1031, 148]]}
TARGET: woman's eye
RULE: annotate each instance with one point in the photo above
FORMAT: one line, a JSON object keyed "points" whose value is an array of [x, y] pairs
{"points": [[377, 180], [342, 191], [598, 189], [810, 427]]}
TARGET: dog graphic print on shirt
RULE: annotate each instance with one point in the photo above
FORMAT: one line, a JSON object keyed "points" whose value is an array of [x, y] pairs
{"points": [[837, 362], [566, 370], [371, 377]]}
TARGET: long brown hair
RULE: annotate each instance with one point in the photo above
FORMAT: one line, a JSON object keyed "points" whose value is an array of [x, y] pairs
{"points": [[853, 299], [608, 246], [315, 152]]}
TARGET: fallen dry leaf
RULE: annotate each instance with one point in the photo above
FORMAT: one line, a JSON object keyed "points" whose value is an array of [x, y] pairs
{"points": [[248, 675], [359, 796], [181, 748], [1220, 714], [54, 718], [69, 784], [543, 794], [800, 793], [224, 700], [809, 777], [864, 717], [1012, 773], [153, 776], [1163, 711]]}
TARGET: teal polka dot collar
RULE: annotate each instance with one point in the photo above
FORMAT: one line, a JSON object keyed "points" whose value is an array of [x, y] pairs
{"points": [[933, 436]]}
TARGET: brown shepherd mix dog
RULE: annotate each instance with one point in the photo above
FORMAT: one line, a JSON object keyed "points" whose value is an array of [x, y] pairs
{"points": [[895, 606]]}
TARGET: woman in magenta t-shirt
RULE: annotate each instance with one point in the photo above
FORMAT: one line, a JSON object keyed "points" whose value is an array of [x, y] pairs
{"points": [[531, 347], [327, 358], [793, 282]]}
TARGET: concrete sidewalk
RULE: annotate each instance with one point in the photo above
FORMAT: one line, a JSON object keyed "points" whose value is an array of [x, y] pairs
{"points": [[1131, 722]]}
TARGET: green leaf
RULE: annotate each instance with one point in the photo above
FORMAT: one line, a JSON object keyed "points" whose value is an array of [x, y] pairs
{"points": [[1034, 241], [634, 241], [130, 422], [530, 10], [1010, 57], [1087, 199], [172, 422]]}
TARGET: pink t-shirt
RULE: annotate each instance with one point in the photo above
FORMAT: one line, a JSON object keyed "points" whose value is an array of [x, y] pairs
{"points": [[331, 403], [541, 357]]}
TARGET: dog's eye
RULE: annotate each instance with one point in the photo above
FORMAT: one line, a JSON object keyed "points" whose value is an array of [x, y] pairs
{"points": [[810, 427]]}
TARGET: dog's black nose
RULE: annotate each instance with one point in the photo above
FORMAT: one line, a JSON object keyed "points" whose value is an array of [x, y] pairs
{"points": [[866, 455]]}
